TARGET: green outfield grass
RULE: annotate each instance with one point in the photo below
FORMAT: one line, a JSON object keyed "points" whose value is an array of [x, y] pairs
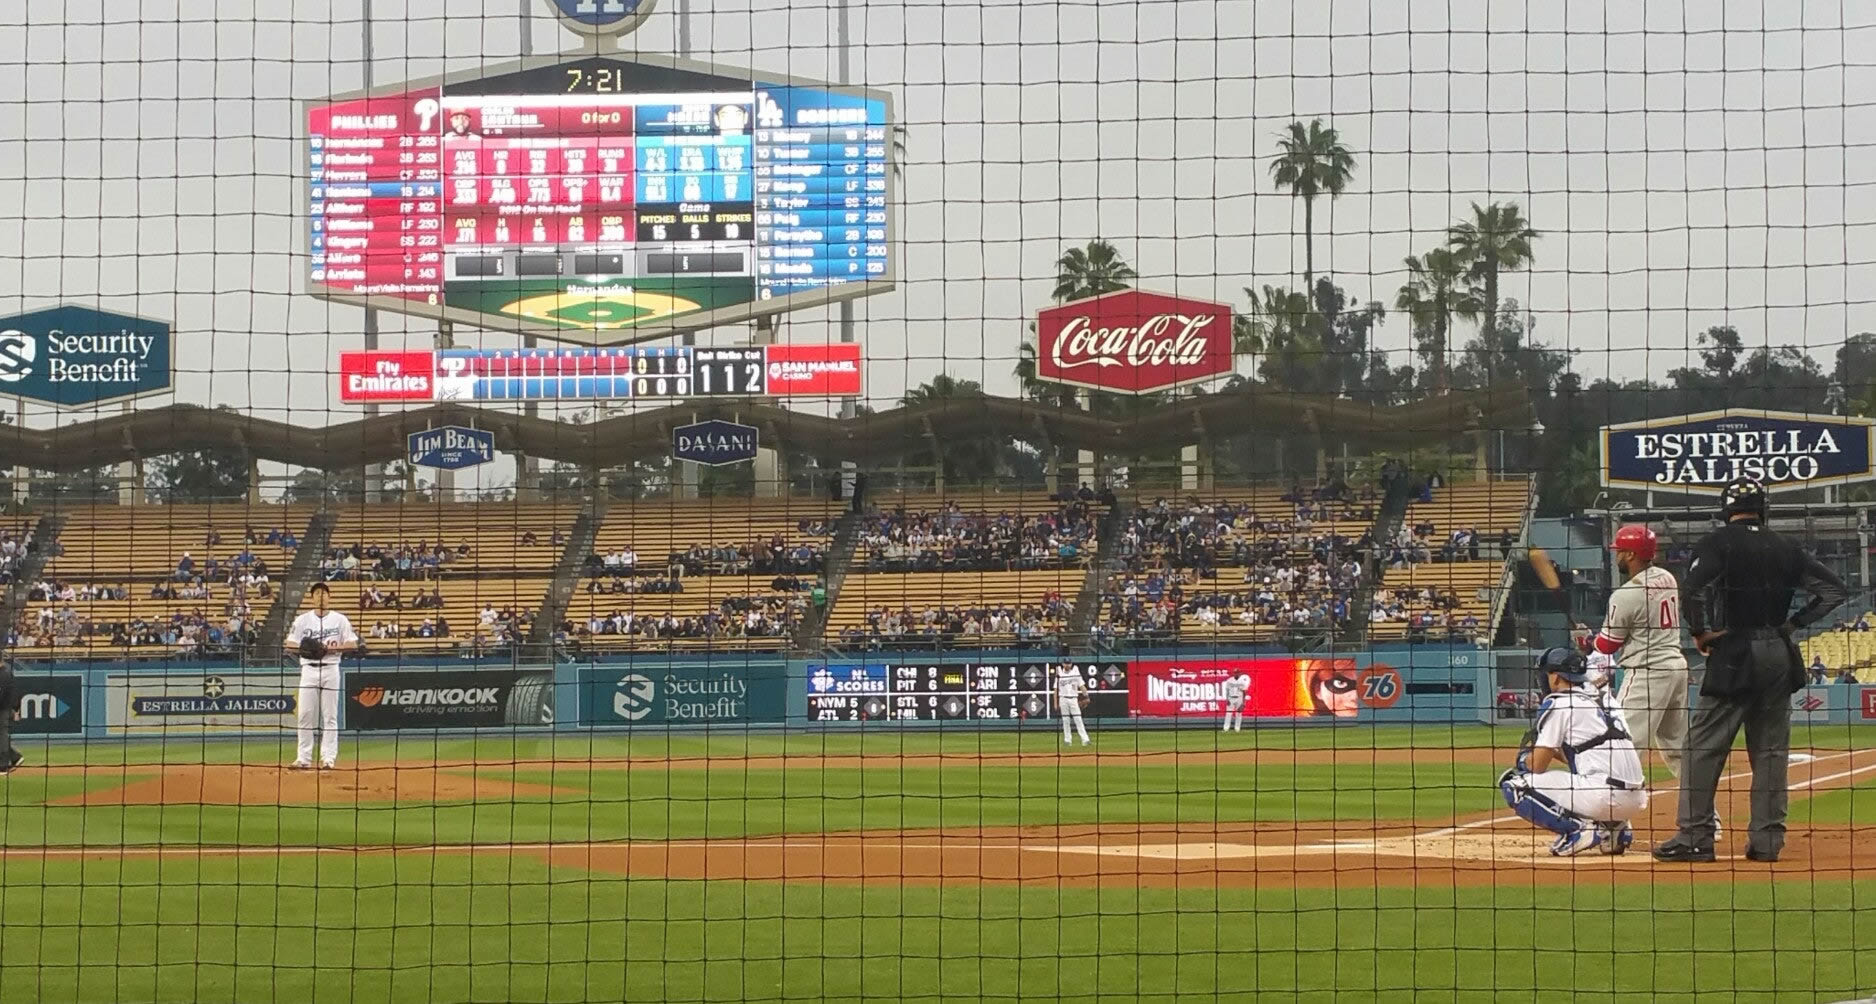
{"points": [[449, 928], [422, 925]]}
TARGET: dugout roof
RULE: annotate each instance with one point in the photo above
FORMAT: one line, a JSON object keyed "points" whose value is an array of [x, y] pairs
{"points": [[867, 439]]}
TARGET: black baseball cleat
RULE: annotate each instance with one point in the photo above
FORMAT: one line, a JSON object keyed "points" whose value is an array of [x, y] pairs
{"points": [[1674, 852], [1769, 857], [13, 761]]}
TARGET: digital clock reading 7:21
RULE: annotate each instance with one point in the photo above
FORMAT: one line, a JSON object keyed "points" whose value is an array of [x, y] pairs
{"points": [[596, 80]]}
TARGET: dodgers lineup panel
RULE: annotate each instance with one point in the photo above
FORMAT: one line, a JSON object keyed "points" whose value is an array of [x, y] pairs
{"points": [[619, 219]]}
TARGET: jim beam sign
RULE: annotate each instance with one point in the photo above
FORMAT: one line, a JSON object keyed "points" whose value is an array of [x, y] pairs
{"points": [[1133, 342], [1698, 454]]}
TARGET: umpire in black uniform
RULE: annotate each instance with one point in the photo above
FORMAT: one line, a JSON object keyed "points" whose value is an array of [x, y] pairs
{"points": [[9, 703], [1737, 603]]}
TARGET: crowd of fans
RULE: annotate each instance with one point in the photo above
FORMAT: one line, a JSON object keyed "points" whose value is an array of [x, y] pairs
{"points": [[952, 540], [1020, 624], [390, 562], [736, 617], [777, 556]]}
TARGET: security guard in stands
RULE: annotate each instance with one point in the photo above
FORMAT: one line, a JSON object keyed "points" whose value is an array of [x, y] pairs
{"points": [[1737, 603], [9, 703]]}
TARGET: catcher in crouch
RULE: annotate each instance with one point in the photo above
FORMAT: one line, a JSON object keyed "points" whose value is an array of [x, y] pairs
{"points": [[318, 637], [1590, 802]]}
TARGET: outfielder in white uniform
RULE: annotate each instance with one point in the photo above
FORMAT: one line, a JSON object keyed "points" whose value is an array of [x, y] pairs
{"points": [[1590, 802], [1643, 634], [1069, 687], [1236, 688], [319, 678]]}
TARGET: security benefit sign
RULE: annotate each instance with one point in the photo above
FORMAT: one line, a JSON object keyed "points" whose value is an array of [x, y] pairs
{"points": [[150, 704], [743, 694], [1700, 453], [77, 356], [451, 448], [714, 443], [49, 705], [456, 699]]}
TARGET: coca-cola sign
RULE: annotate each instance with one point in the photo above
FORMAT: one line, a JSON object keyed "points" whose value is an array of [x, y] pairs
{"points": [[1133, 342]]}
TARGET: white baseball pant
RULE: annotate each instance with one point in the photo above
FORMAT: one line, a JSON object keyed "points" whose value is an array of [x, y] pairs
{"points": [[1654, 704], [1234, 715], [1071, 718], [318, 710], [1589, 796]]}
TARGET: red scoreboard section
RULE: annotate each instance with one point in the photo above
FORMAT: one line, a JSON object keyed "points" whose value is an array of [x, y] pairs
{"points": [[600, 374]]}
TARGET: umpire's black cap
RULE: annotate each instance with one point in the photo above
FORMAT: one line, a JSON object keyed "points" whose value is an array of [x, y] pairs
{"points": [[1742, 495]]}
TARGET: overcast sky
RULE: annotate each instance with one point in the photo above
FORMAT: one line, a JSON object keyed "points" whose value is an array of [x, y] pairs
{"points": [[1692, 164]]}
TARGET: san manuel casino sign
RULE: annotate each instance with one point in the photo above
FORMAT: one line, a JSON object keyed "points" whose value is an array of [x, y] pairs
{"points": [[1700, 453]]}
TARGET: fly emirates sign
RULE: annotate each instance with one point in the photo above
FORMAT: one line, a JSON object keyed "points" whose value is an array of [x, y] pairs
{"points": [[1701, 453]]}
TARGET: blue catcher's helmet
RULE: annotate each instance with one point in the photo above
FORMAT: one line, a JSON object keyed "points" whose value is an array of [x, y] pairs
{"points": [[1565, 662]]}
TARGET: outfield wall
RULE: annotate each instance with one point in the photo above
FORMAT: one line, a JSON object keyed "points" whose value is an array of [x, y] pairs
{"points": [[1387, 684], [899, 689]]}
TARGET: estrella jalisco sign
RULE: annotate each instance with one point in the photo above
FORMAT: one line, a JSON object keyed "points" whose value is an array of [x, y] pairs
{"points": [[1700, 453]]}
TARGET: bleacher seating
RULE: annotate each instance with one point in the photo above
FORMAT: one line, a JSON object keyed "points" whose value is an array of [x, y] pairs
{"points": [[1841, 650], [136, 547]]}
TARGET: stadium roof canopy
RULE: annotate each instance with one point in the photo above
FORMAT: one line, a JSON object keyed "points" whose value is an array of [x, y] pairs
{"points": [[872, 438]]}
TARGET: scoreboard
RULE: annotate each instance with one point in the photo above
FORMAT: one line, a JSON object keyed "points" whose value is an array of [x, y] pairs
{"points": [[600, 200], [600, 374], [977, 691]]}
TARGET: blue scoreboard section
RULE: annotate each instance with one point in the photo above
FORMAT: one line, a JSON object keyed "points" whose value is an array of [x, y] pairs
{"points": [[820, 189]]}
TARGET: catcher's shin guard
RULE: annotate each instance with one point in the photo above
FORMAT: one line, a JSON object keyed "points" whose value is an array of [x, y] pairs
{"points": [[1534, 806]]}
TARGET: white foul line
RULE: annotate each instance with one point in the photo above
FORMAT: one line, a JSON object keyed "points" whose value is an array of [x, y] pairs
{"points": [[1495, 820]]}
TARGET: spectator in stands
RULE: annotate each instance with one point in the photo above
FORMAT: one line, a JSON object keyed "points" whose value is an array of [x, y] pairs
{"points": [[185, 568], [1847, 676], [1818, 669]]}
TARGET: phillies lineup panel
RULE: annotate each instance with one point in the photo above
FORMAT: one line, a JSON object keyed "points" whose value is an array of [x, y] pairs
{"points": [[600, 200]]}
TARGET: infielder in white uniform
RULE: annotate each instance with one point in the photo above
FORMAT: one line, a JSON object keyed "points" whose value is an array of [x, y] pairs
{"points": [[1236, 688], [1590, 802], [1642, 633], [318, 637], [1069, 691]]}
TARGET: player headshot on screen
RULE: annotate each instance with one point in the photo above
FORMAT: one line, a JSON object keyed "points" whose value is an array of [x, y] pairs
{"points": [[1333, 688], [459, 125], [732, 120]]}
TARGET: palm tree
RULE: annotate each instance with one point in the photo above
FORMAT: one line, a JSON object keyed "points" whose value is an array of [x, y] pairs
{"points": [[1497, 239], [1312, 162], [972, 459], [1437, 290], [1091, 271]]}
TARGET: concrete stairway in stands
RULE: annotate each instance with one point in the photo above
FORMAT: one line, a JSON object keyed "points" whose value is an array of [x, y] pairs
{"points": [[1101, 570], [811, 633], [302, 572], [567, 571]]}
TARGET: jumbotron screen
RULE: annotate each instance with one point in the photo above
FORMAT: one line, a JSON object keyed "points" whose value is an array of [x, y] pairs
{"points": [[598, 200]]}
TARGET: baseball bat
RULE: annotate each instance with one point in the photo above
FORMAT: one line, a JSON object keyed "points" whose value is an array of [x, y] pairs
{"points": [[1545, 568]]}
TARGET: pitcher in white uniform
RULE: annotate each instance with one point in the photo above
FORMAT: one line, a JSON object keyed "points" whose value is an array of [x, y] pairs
{"points": [[1069, 688], [1236, 688], [1590, 802], [319, 677]]}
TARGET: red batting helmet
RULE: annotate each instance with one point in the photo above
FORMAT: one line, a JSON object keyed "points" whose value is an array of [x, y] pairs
{"points": [[1637, 540]]}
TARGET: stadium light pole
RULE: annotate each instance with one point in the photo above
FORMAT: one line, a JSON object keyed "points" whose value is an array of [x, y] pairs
{"points": [[527, 469], [686, 474], [373, 473], [848, 405]]}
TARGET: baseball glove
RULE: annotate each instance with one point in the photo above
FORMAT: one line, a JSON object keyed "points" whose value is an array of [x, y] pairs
{"points": [[312, 649], [1084, 702]]}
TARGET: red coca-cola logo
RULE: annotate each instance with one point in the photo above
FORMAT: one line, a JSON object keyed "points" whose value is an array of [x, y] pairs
{"points": [[1134, 342]]}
